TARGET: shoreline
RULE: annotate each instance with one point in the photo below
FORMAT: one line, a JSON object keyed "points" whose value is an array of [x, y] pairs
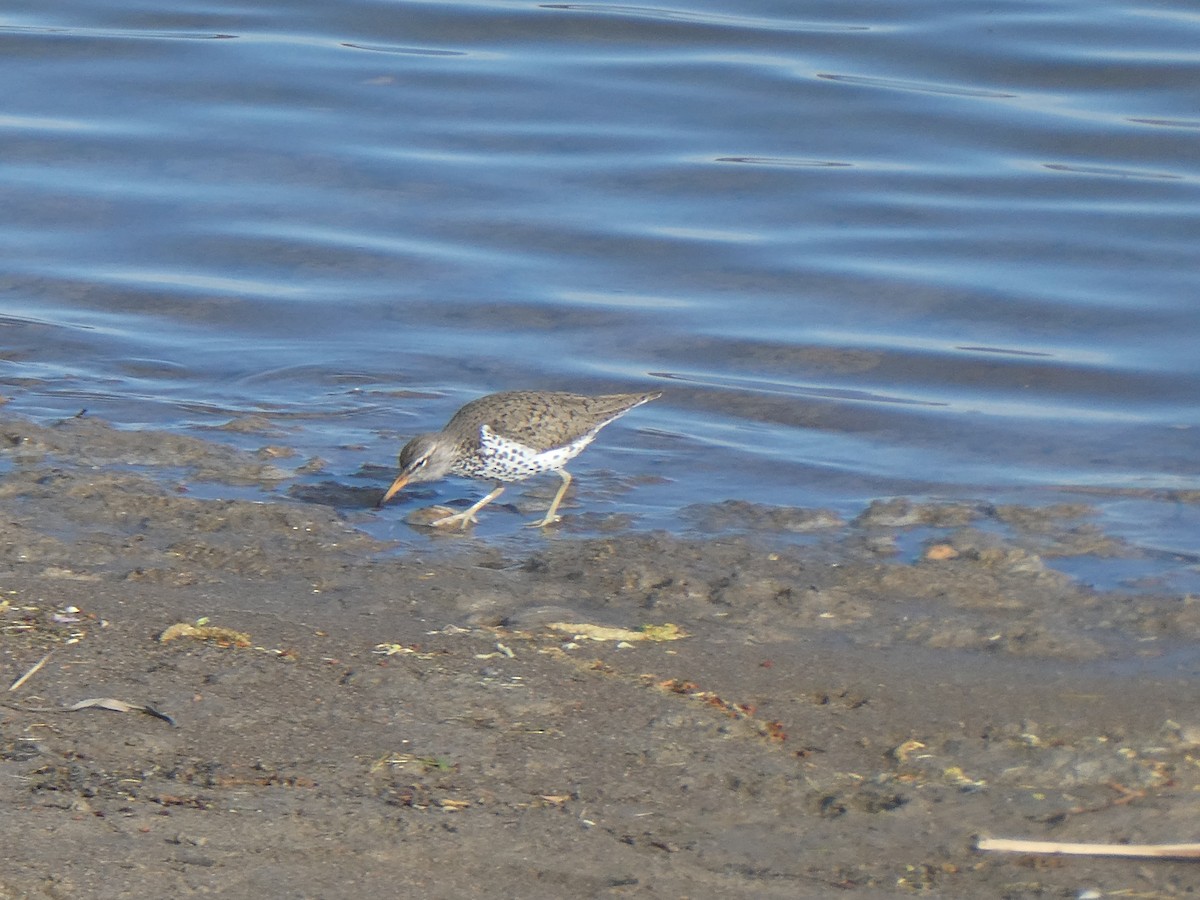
{"points": [[825, 716]]}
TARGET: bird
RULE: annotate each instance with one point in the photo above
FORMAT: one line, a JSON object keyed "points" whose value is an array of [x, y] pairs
{"points": [[508, 437]]}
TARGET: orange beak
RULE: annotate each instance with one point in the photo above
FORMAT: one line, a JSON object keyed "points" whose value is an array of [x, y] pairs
{"points": [[394, 489]]}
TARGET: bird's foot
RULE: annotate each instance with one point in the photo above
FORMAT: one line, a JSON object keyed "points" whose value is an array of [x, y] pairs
{"points": [[549, 520], [462, 520]]}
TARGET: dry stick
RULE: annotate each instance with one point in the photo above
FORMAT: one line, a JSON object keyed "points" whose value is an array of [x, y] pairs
{"points": [[24, 678], [94, 703], [1140, 851]]}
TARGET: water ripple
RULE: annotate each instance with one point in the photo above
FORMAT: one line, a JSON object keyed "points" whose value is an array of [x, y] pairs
{"points": [[868, 249]]}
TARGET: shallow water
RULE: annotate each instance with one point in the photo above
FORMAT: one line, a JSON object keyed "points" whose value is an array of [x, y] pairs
{"points": [[934, 249]]}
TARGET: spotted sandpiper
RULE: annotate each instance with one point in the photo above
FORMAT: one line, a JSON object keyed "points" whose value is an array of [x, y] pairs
{"points": [[509, 437]]}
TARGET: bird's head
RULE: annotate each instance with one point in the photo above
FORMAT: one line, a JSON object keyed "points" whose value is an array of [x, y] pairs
{"points": [[427, 457]]}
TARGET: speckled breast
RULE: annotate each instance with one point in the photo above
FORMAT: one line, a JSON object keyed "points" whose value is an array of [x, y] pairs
{"points": [[502, 459]]}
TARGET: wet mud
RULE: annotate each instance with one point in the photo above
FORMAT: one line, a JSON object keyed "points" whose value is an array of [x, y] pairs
{"points": [[783, 704]]}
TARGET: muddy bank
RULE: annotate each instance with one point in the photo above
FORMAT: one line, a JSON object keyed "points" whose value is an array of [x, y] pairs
{"points": [[618, 715]]}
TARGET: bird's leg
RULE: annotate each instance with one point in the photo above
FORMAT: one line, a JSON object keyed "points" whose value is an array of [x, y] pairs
{"points": [[550, 517], [467, 516]]}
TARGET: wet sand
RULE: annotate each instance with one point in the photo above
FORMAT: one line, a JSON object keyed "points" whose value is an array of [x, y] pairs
{"points": [[760, 719]]}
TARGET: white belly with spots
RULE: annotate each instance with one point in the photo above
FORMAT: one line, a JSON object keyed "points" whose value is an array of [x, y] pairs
{"points": [[506, 460]]}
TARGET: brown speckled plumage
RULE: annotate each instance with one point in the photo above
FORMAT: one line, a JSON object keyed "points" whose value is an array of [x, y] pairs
{"points": [[511, 436], [540, 420]]}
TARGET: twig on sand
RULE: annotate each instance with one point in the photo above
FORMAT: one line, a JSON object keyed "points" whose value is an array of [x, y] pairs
{"points": [[1059, 848], [33, 671], [96, 703]]}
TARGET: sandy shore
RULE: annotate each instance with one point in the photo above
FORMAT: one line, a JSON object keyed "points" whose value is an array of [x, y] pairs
{"points": [[636, 715]]}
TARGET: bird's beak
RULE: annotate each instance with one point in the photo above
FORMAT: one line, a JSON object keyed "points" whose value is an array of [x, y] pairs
{"points": [[395, 488]]}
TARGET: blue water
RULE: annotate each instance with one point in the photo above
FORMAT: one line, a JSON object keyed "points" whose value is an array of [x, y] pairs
{"points": [[939, 249]]}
